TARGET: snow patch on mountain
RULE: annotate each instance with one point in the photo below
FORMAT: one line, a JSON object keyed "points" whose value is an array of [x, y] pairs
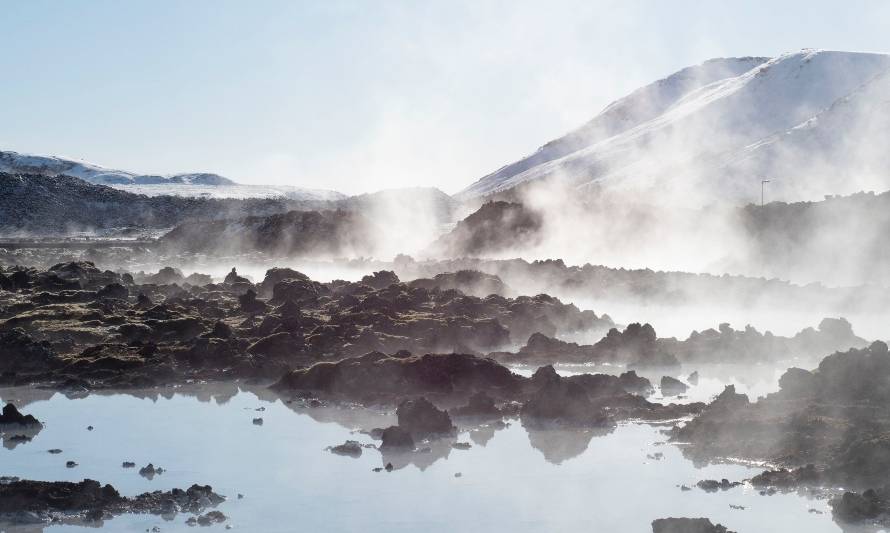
{"points": [[688, 127]]}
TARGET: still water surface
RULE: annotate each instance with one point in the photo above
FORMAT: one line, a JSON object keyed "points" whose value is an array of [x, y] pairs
{"points": [[510, 480]]}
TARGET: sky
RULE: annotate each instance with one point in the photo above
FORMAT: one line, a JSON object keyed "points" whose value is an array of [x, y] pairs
{"points": [[359, 96]]}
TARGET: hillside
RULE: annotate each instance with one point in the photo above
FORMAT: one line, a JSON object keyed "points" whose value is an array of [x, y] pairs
{"points": [[680, 145]]}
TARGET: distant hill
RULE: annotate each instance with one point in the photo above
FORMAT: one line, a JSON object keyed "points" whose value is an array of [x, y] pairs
{"points": [[41, 205]]}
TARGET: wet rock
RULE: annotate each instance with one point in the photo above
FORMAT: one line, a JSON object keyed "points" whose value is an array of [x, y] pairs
{"points": [[232, 278], [278, 345], [377, 373], [248, 302], [635, 384], [693, 378], [423, 419], [672, 386], [220, 330], [686, 525], [21, 354], [712, 485], [471, 282], [70, 464], [128, 464], [149, 471], [461, 446], [872, 505], [783, 478], [54, 451], [56, 500], [349, 448], [113, 290], [257, 421], [395, 438], [212, 517], [828, 418], [381, 279]]}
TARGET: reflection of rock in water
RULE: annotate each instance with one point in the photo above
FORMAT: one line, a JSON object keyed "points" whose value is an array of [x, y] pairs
{"points": [[560, 445], [24, 396], [354, 418], [15, 527], [13, 436], [482, 435], [426, 454]]}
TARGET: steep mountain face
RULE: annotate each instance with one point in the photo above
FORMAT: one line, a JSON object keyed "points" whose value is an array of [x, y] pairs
{"points": [[692, 124], [16, 163], [845, 146]]}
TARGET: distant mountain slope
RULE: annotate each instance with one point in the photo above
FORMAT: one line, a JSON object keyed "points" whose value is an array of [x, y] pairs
{"points": [[61, 205], [14, 162], [681, 143]]}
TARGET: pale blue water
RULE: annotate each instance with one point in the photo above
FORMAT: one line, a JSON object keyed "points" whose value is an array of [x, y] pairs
{"points": [[515, 482]]}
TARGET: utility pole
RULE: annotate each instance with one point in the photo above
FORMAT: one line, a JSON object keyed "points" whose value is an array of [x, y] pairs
{"points": [[762, 183]]}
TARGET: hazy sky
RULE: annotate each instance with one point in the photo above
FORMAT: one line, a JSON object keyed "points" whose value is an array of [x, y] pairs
{"points": [[363, 95]]}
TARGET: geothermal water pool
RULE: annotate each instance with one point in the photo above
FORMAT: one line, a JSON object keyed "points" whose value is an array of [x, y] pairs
{"points": [[510, 480]]}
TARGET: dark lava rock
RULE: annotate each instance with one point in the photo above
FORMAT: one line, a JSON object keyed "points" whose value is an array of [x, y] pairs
{"points": [[113, 290], [349, 448], [20, 353], [47, 499], [806, 476], [672, 386], [423, 419], [212, 517], [396, 439], [833, 418], [378, 373], [149, 471], [128, 464], [712, 485], [686, 525], [12, 417], [871, 505], [380, 280]]}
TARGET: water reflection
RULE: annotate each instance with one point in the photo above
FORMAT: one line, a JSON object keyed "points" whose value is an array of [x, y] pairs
{"points": [[560, 445], [203, 433]]}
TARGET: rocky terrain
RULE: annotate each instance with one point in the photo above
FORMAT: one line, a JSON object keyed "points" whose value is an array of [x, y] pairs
{"points": [[27, 502], [78, 324], [638, 346], [828, 426]]}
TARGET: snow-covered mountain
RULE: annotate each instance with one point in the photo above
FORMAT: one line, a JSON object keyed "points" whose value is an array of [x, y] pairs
{"points": [[716, 129], [14, 162], [198, 185]]}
